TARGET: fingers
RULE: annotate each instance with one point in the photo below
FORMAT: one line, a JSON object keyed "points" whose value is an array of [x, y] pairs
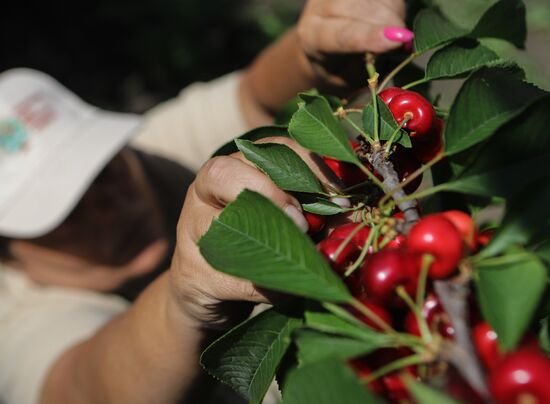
{"points": [[223, 178], [350, 26]]}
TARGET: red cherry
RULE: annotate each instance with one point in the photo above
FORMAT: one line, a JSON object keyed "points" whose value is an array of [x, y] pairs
{"points": [[521, 376], [486, 343], [359, 238], [465, 226], [436, 235], [405, 164], [376, 309], [433, 312], [340, 262], [426, 148], [396, 390], [390, 92], [485, 237], [363, 371], [421, 111], [384, 271], [396, 243], [315, 222], [348, 173]]}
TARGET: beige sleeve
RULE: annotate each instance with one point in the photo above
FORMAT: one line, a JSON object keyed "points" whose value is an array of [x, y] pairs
{"points": [[189, 128]]}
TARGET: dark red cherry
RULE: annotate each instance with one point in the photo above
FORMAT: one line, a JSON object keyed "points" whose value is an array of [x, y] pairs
{"points": [[362, 370], [383, 271], [437, 236], [420, 111], [426, 148], [339, 262], [359, 238], [405, 164], [348, 173], [435, 316], [521, 377], [486, 343], [485, 237], [315, 222]]}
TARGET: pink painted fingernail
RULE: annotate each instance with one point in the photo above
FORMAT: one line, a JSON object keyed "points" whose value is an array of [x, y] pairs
{"points": [[398, 34]]}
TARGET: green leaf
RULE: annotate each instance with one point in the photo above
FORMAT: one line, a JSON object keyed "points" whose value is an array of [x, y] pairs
{"points": [[387, 123], [457, 59], [544, 335], [325, 382], [314, 346], [431, 29], [427, 395], [524, 218], [253, 239], [285, 168], [247, 357], [322, 207], [252, 135], [509, 289], [316, 128], [329, 323], [511, 159], [543, 251], [487, 100], [504, 20]]}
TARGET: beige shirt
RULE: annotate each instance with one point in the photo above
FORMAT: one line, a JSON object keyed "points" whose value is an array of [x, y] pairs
{"points": [[37, 323]]}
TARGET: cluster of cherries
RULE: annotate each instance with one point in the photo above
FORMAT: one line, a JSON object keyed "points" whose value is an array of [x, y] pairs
{"points": [[393, 263], [446, 237]]}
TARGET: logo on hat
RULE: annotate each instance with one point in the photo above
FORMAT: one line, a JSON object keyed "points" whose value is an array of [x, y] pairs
{"points": [[13, 135]]}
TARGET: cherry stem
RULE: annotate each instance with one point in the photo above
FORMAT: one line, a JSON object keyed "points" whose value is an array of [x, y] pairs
{"points": [[415, 83], [372, 235], [373, 84], [348, 239], [358, 129], [409, 179], [396, 132], [371, 315], [397, 69], [395, 365], [427, 260], [422, 324]]}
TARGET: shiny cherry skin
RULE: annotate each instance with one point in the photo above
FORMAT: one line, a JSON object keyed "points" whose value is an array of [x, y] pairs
{"points": [[340, 262], [390, 92], [348, 173], [315, 222], [465, 226], [435, 316], [486, 343], [384, 271], [376, 309], [420, 110], [405, 164], [426, 148], [521, 376], [437, 236], [359, 238]]}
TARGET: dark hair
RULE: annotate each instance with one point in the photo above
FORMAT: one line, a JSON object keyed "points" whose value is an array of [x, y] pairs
{"points": [[4, 249], [115, 219]]}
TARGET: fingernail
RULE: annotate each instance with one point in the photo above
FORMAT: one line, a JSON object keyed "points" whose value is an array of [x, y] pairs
{"points": [[398, 34], [297, 217], [342, 202]]}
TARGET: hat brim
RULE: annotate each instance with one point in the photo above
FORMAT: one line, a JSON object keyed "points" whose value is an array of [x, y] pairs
{"points": [[62, 176]]}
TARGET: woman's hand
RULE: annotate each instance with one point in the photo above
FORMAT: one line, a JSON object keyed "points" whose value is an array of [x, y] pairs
{"points": [[330, 31], [209, 296]]}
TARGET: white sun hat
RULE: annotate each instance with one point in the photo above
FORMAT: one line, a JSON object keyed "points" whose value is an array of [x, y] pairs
{"points": [[52, 146]]}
